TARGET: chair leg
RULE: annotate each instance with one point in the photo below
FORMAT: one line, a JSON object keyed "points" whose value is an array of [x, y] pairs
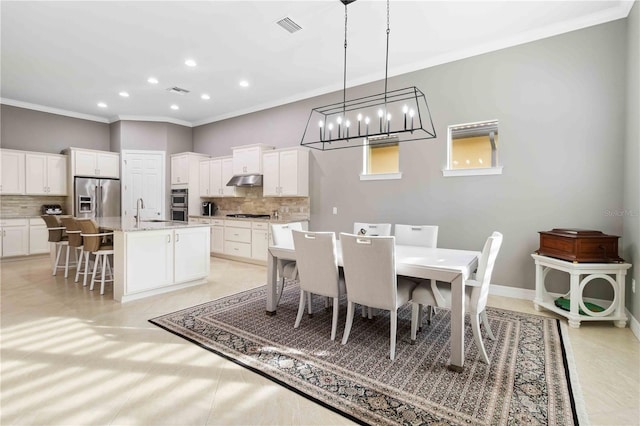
{"points": [[300, 309], [96, 260], [334, 322], [487, 328], [477, 337], [66, 262], [105, 262], [309, 301], [364, 311], [349, 323], [415, 320], [58, 252], [394, 328], [79, 266], [87, 255]]}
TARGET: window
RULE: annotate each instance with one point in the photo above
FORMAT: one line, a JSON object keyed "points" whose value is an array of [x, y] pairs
{"points": [[381, 159], [473, 149]]}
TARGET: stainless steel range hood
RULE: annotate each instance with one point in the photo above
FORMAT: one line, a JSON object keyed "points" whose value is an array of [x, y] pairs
{"points": [[245, 180]]}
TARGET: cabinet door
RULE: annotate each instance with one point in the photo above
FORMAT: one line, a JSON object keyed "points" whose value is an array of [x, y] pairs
{"points": [[179, 167], [271, 174], [259, 244], [217, 239], [227, 174], [36, 174], [148, 248], [38, 237], [205, 179], [12, 174], [108, 164], [15, 241], [56, 175], [216, 184], [85, 163], [188, 243], [289, 173]]}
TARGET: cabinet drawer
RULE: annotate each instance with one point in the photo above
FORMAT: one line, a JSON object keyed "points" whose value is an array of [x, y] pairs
{"points": [[217, 222], [241, 235], [260, 225], [237, 223], [237, 249], [14, 222], [205, 221]]}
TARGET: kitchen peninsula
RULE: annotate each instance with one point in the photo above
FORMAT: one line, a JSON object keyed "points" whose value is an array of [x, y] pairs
{"points": [[155, 257]]}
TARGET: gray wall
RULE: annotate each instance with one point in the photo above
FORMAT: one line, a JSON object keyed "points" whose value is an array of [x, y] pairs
{"points": [[31, 130], [561, 107], [631, 211]]}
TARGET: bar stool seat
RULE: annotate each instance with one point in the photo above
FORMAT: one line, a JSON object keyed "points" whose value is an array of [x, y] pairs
{"points": [[76, 241], [96, 243]]}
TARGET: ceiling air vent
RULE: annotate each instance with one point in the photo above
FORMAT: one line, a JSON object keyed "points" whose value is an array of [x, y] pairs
{"points": [[289, 25], [178, 90]]}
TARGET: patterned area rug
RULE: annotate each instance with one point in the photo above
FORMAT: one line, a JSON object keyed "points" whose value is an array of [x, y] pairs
{"points": [[526, 383]]}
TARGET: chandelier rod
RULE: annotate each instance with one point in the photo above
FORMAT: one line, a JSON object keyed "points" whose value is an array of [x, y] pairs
{"points": [[386, 65], [344, 87]]}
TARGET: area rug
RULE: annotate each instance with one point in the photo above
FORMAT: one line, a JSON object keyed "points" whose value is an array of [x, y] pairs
{"points": [[527, 381]]}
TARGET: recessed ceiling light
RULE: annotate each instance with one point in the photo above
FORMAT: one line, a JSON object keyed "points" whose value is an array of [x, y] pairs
{"points": [[205, 97], [175, 107], [244, 83], [124, 94], [190, 63], [102, 105], [152, 80]]}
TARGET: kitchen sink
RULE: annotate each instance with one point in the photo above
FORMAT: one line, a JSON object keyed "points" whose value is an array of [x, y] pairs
{"points": [[154, 220]]}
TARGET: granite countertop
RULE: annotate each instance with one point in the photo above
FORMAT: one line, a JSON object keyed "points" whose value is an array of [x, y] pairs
{"points": [[250, 219], [128, 224]]}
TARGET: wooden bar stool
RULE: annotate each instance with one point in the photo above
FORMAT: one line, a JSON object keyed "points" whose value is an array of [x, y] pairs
{"points": [[58, 236], [95, 243], [76, 242]]}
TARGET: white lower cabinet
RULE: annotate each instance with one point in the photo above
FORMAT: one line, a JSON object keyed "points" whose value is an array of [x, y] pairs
{"points": [[237, 238], [15, 237], [38, 236], [160, 261], [217, 236], [259, 240], [188, 267]]}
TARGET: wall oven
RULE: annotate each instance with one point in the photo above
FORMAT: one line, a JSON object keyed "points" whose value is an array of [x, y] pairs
{"points": [[179, 205]]}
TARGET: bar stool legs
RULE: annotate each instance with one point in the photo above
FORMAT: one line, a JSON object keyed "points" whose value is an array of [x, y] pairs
{"points": [[106, 265]]}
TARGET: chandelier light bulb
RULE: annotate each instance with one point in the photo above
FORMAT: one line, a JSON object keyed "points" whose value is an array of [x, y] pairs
{"points": [[380, 113], [367, 120], [405, 109], [411, 113], [359, 117], [339, 120], [320, 123]]}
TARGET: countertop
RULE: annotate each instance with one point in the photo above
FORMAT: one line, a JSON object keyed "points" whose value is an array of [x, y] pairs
{"points": [[128, 224], [250, 219]]}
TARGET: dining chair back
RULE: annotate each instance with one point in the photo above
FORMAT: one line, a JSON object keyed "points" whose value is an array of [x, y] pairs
{"points": [[476, 294], [372, 229], [287, 269], [318, 271], [413, 235], [371, 279]]}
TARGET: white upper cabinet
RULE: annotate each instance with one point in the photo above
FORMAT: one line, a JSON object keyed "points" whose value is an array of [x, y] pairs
{"points": [[185, 169], [12, 173], [247, 159], [46, 174], [286, 173], [95, 163], [214, 175]]}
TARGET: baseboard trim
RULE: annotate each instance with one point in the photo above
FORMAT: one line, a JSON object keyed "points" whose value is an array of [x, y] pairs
{"points": [[634, 325]]}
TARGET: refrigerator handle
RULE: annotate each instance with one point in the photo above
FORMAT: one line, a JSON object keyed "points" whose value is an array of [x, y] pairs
{"points": [[96, 201]]}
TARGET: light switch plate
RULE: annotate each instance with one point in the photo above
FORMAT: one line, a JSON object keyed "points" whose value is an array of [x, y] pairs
{"points": [[335, 210]]}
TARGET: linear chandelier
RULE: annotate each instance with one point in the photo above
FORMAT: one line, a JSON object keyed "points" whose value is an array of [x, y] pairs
{"points": [[392, 116]]}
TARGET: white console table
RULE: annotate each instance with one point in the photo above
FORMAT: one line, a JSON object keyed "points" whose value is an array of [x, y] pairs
{"points": [[613, 273]]}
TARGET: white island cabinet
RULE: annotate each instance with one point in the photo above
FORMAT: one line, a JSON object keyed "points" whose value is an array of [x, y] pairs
{"points": [[157, 257]]}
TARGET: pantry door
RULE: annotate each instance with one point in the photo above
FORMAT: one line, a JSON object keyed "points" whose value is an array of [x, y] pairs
{"points": [[144, 177]]}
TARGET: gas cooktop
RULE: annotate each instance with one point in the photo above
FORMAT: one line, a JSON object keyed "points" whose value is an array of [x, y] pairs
{"points": [[251, 216]]}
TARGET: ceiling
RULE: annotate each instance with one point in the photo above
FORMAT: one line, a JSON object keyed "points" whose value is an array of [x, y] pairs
{"points": [[66, 57]]}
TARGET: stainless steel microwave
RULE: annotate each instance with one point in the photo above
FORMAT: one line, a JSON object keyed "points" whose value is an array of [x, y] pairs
{"points": [[179, 198]]}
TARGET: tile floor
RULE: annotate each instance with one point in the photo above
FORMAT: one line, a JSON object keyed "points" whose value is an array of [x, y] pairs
{"points": [[73, 357]]}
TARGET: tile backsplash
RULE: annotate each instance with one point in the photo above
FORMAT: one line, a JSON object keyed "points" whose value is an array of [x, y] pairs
{"points": [[27, 205], [252, 201]]}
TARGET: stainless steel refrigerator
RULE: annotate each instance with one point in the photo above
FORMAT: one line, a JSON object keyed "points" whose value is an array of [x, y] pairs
{"points": [[95, 197]]}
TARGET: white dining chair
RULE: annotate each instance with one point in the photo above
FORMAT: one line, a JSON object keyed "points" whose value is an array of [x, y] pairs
{"points": [[371, 279], [372, 229], [281, 234], [318, 271], [422, 236], [476, 294]]}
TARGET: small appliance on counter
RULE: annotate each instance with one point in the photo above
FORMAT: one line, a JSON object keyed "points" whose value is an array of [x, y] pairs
{"points": [[208, 208], [51, 209]]}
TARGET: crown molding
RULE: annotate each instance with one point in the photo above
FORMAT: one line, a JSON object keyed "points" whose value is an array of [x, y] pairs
{"points": [[50, 110]]}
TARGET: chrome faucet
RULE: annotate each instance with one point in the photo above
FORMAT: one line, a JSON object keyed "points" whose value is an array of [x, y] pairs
{"points": [[139, 205]]}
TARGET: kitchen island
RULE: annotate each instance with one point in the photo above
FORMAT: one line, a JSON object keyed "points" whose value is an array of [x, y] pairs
{"points": [[155, 257]]}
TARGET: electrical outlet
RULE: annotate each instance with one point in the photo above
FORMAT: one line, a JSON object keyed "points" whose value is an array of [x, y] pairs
{"points": [[335, 210], [633, 285]]}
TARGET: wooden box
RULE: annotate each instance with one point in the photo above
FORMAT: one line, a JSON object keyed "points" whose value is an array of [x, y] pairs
{"points": [[579, 245]]}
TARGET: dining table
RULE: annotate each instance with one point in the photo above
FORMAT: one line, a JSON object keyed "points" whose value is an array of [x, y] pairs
{"points": [[441, 264]]}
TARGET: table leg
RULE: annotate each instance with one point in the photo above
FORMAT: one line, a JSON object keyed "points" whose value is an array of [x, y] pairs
{"points": [[619, 312], [456, 362], [574, 291], [272, 280], [540, 288]]}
